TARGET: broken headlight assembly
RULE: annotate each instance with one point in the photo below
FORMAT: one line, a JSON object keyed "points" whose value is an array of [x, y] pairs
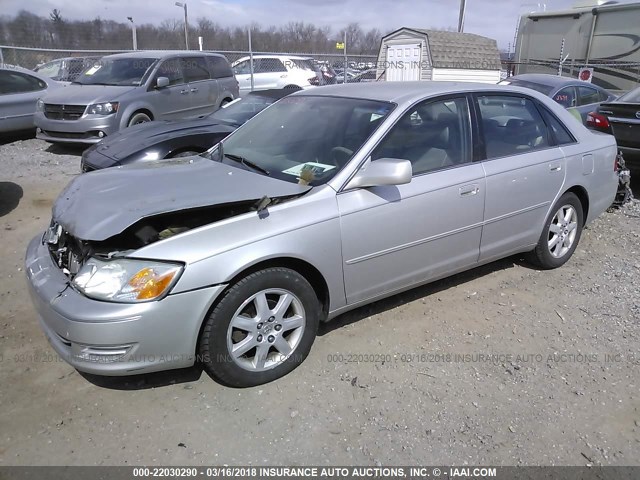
{"points": [[126, 280]]}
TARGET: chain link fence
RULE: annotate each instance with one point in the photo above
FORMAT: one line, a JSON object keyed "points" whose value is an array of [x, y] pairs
{"points": [[32, 57]]}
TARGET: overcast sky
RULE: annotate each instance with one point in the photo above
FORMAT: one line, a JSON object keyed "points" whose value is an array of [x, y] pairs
{"points": [[492, 18]]}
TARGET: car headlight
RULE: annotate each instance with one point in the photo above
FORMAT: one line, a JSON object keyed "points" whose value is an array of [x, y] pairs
{"points": [[126, 280], [106, 108], [40, 105]]}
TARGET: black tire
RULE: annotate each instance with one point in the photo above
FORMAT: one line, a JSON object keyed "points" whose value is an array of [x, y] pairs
{"points": [[138, 117], [292, 87], [226, 101], [217, 337], [542, 255], [188, 153]]}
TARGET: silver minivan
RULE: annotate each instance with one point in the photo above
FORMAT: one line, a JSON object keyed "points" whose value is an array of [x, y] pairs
{"points": [[130, 88]]}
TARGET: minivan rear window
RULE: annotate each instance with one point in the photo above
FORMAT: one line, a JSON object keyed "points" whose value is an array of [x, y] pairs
{"points": [[219, 67]]}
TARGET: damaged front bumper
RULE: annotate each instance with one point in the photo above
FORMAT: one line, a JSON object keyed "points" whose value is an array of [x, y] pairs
{"points": [[112, 338], [624, 193]]}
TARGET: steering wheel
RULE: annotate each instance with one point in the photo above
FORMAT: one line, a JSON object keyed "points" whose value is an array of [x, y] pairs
{"points": [[340, 156]]}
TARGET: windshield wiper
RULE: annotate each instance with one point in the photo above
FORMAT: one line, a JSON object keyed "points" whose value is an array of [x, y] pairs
{"points": [[247, 163]]}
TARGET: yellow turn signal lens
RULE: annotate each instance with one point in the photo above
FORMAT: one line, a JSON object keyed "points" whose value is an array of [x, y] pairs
{"points": [[148, 284]]}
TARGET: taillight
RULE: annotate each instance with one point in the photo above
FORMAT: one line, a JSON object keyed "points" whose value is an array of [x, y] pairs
{"points": [[314, 81], [597, 120]]}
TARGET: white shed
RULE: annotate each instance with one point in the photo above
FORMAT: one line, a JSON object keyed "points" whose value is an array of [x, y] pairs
{"points": [[416, 54]]}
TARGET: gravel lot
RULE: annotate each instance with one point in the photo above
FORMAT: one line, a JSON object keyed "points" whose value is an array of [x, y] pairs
{"points": [[503, 365]]}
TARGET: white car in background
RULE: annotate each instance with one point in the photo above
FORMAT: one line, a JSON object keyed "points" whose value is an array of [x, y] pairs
{"points": [[276, 71]]}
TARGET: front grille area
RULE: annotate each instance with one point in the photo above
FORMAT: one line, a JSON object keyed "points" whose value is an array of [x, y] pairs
{"points": [[63, 112]]}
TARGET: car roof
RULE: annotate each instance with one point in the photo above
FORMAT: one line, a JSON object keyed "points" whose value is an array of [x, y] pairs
{"points": [[548, 80], [158, 54], [275, 93], [408, 92], [286, 57], [16, 68]]}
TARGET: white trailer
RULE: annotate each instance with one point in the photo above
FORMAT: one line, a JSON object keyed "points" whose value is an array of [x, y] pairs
{"points": [[604, 36]]}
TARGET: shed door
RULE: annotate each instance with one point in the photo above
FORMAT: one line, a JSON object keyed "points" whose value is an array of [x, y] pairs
{"points": [[403, 62]]}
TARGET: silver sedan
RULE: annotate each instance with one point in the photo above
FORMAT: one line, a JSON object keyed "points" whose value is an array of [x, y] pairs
{"points": [[327, 200], [20, 90]]}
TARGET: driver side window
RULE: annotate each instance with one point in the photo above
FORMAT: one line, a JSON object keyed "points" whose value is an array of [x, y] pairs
{"points": [[432, 135], [171, 69]]}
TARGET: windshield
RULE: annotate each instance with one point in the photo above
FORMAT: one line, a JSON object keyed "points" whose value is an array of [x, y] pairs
{"points": [[303, 139], [538, 87], [116, 72], [632, 97], [238, 112]]}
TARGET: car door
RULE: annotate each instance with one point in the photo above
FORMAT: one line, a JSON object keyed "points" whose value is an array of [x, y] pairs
{"points": [[398, 236], [173, 101], [271, 73], [19, 93], [524, 172], [203, 90]]}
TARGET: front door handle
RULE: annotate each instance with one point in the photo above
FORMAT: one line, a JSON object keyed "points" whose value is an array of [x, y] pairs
{"points": [[468, 190], [194, 90], [184, 92]]}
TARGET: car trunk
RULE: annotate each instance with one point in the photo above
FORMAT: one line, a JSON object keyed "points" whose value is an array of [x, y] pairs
{"points": [[625, 122]]}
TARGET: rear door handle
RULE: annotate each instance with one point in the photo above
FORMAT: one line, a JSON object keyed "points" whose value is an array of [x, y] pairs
{"points": [[468, 190], [194, 89], [555, 166], [184, 92]]}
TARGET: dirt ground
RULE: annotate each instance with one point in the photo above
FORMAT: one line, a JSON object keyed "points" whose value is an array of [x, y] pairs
{"points": [[503, 365]]}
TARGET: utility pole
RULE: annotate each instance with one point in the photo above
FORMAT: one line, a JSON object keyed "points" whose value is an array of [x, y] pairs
{"points": [[134, 33], [346, 64], [463, 9], [186, 23]]}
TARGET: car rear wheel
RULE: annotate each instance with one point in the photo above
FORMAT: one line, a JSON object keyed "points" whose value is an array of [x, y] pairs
{"points": [[561, 233], [262, 328], [138, 117]]}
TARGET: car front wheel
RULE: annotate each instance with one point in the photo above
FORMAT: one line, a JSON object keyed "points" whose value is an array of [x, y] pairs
{"points": [[561, 233], [262, 328]]}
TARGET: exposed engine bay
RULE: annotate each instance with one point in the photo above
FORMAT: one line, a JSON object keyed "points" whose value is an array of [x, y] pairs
{"points": [[70, 253]]}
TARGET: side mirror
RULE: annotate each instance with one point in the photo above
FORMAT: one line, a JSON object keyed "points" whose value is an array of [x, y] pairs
{"points": [[162, 82], [384, 171]]}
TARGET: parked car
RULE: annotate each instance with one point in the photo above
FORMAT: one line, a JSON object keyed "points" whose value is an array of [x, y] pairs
{"points": [[351, 73], [20, 89], [276, 71], [130, 88], [329, 199], [571, 93], [621, 118], [364, 77], [181, 138], [328, 74], [66, 69]]}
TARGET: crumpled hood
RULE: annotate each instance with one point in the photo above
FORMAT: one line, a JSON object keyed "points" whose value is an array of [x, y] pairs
{"points": [[74, 94], [138, 137], [98, 205]]}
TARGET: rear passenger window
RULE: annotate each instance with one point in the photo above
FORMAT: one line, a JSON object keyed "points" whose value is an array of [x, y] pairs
{"points": [[559, 131], [433, 135], [511, 125], [588, 95], [195, 69], [219, 67], [270, 65], [566, 97], [171, 70], [18, 82]]}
